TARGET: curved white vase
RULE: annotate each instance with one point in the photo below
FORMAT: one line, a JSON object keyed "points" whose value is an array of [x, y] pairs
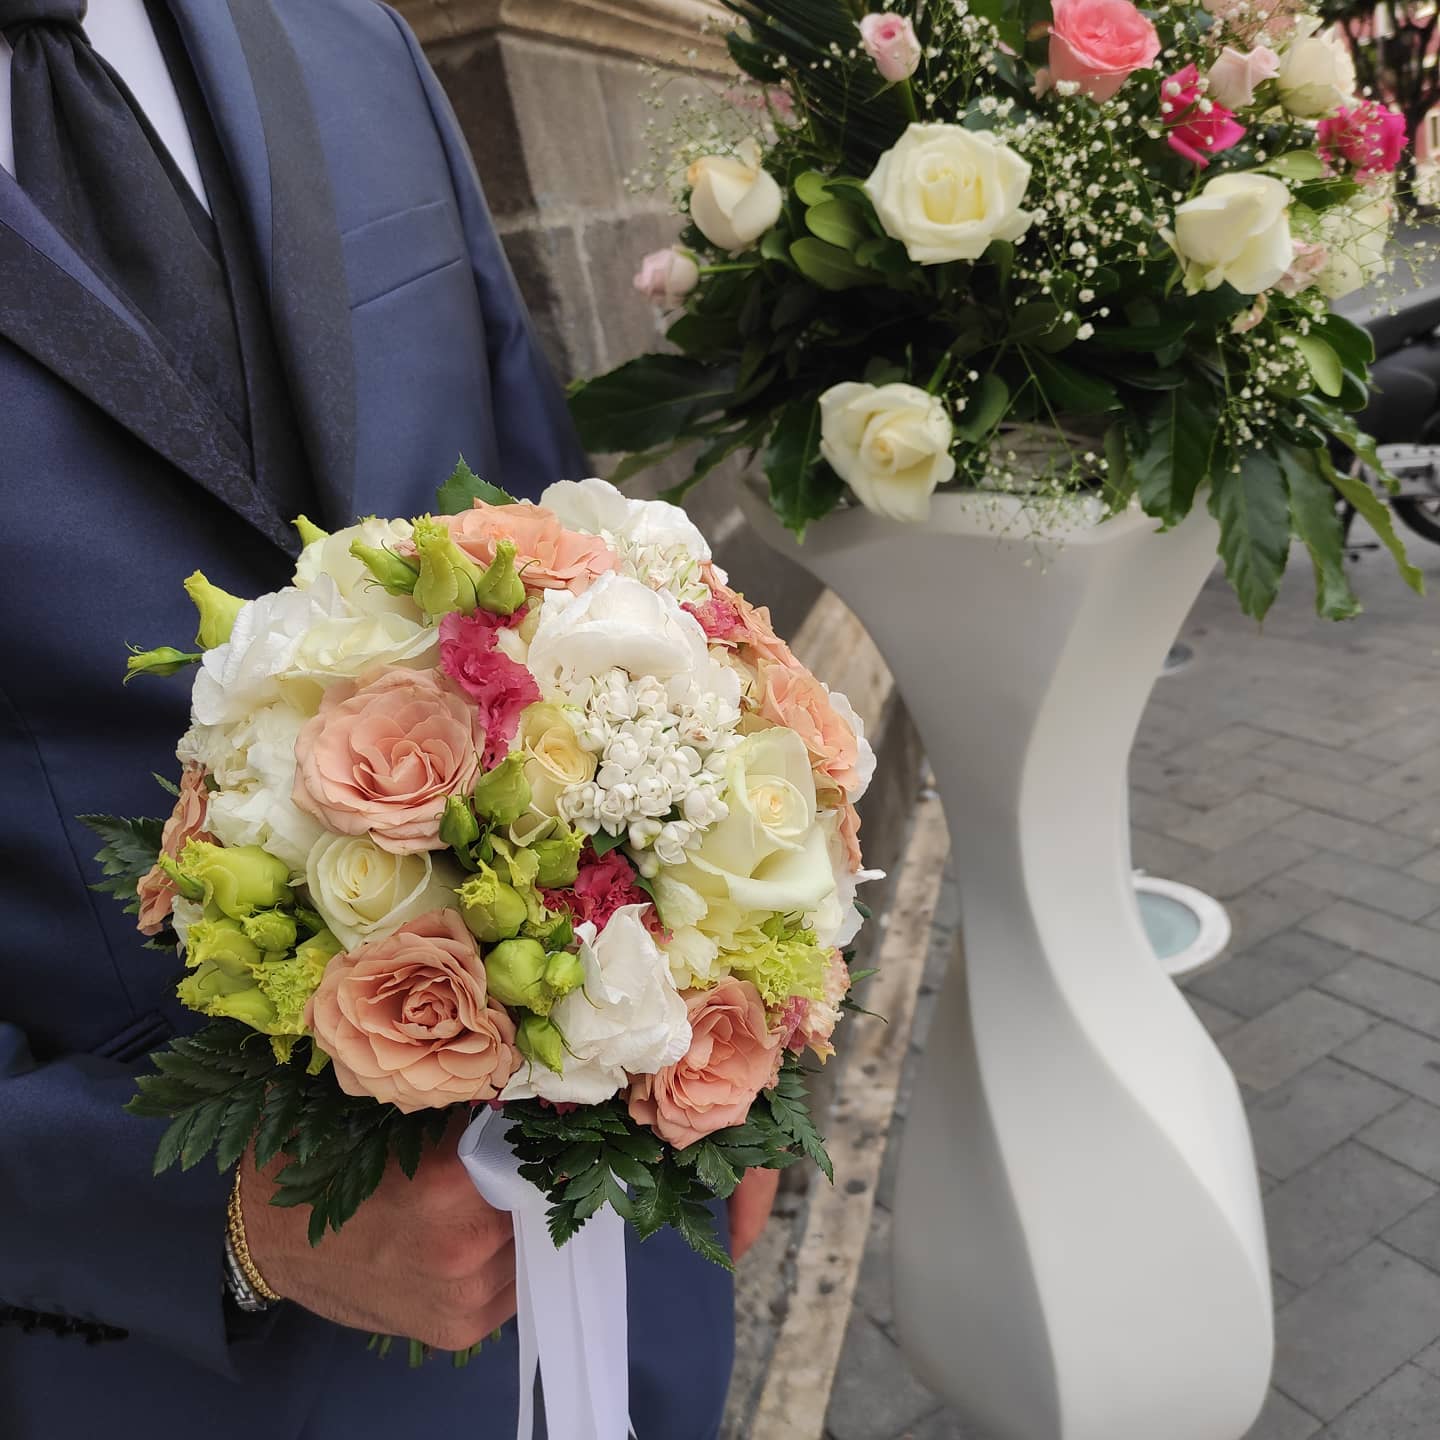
{"points": [[1079, 1246]]}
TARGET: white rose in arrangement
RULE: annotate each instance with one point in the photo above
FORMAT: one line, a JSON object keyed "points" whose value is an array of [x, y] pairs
{"points": [[364, 893], [1354, 238], [626, 1019], [331, 556], [889, 443], [1317, 75], [865, 761], [347, 646], [619, 623], [946, 192], [1237, 229], [247, 671], [837, 922], [733, 200], [598, 508]]}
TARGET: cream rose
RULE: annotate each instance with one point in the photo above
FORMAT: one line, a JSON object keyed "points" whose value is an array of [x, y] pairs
{"points": [[946, 192], [554, 763], [733, 199], [889, 443], [1354, 240], [1237, 229], [346, 647], [1316, 75], [364, 893], [331, 556]]}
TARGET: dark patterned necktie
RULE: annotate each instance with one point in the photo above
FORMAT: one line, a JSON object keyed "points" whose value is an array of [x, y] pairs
{"points": [[90, 160]]}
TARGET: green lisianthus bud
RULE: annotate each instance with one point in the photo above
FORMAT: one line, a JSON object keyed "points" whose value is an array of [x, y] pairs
{"points": [[564, 972], [163, 660], [459, 828], [538, 1039], [501, 591], [237, 880], [394, 574], [272, 930], [218, 609], [308, 530], [184, 886], [502, 795], [558, 859], [491, 909], [515, 971], [554, 931], [449, 579], [223, 946], [248, 1004]]}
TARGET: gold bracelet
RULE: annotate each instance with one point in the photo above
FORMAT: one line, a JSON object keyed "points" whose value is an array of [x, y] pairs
{"points": [[235, 1229]]}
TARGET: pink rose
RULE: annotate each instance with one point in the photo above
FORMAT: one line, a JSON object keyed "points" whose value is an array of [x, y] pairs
{"points": [[890, 41], [810, 1023], [1234, 76], [384, 754], [791, 696], [1247, 320], [667, 277], [1199, 128], [187, 822], [407, 1020], [1098, 44], [548, 556], [499, 686], [1369, 136], [733, 1056], [1305, 267], [603, 885]]}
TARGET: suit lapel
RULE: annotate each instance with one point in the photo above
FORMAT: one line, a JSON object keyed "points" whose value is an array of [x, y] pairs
{"points": [[60, 312], [256, 94]]}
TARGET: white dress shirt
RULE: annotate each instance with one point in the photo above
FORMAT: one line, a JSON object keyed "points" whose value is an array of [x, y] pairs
{"points": [[121, 33]]}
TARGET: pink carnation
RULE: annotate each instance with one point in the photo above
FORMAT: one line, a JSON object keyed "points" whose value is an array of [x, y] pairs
{"points": [[1195, 132], [810, 1023], [604, 885], [720, 619], [1368, 135], [499, 686]]}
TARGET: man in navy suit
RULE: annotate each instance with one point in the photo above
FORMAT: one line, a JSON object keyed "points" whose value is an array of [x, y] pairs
{"points": [[246, 270]]}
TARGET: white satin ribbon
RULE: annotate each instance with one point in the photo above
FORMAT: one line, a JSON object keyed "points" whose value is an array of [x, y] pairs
{"points": [[570, 1302]]}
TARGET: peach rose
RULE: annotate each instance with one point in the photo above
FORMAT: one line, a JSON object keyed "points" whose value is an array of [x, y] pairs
{"points": [[756, 633], [548, 556], [187, 822], [733, 1056], [850, 837], [1098, 43], [791, 696], [384, 753], [407, 1020]]}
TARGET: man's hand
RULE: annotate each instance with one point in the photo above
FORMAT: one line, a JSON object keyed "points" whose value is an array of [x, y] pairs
{"points": [[426, 1259], [750, 1207]]}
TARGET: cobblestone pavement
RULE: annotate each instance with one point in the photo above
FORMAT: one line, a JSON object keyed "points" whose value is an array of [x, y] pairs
{"points": [[1293, 772]]}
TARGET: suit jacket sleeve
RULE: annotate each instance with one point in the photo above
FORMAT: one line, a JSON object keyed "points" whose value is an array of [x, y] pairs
{"points": [[86, 1231], [521, 381]]}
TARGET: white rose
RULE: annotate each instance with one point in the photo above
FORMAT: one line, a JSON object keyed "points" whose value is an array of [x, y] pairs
{"points": [[621, 624], [331, 556], [1355, 238], [626, 1019], [364, 893], [1234, 76], [837, 922], [865, 752], [1236, 229], [347, 646], [246, 672], [733, 200], [889, 443], [598, 508], [947, 192], [1317, 75]]}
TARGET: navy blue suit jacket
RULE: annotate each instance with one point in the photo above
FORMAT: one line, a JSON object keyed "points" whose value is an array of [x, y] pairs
{"points": [[406, 344]]}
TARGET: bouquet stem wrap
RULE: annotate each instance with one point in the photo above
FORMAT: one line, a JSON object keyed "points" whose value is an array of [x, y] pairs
{"points": [[570, 1302]]}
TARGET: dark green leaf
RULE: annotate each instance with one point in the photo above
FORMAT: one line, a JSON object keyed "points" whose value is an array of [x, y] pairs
{"points": [[464, 488], [1068, 390], [128, 853], [802, 488], [1254, 514], [1173, 455], [812, 188], [715, 1172], [985, 408], [1324, 364], [840, 223], [828, 266], [1376, 514], [648, 402], [1312, 513], [602, 842]]}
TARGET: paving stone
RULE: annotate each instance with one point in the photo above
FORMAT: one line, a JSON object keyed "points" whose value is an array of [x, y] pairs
{"points": [[1403, 740], [1156, 812], [1238, 867], [1297, 1123], [1262, 976], [1372, 885], [1269, 1050], [1282, 1292], [1404, 1407], [1398, 995], [875, 1395], [1226, 744], [1412, 947], [1308, 757], [1418, 1234], [1350, 837], [1320, 728], [1271, 907], [1215, 1018], [1427, 868], [1320, 792], [1232, 822], [1409, 1134], [1282, 1419], [1422, 821], [1429, 1359], [873, 1292], [1158, 854], [1416, 779], [1353, 1328], [1398, 1056], [942, 1425], [1326, 1213]]}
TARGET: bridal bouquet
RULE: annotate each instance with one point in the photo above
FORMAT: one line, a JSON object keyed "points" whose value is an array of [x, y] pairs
{"points": [[1028, 246], [509, 805]]}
